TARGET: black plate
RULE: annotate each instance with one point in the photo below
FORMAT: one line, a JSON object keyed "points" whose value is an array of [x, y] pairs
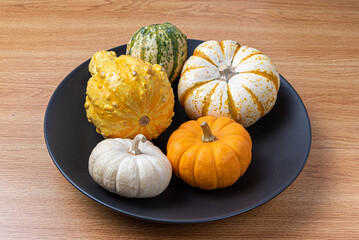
{"points": [[281, 145]]}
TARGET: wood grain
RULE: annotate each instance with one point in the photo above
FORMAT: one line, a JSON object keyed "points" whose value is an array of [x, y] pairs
{"points": [[314, 44]]}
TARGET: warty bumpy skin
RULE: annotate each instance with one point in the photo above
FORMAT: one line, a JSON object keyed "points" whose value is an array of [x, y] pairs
{"points": [[128, 96]]}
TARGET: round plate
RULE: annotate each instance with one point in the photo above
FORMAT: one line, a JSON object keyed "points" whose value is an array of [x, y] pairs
{"points": [[281, 145]]}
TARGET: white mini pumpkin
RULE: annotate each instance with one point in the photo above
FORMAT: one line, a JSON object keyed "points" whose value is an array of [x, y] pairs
{"points": [[119, 166], [226, 79]]}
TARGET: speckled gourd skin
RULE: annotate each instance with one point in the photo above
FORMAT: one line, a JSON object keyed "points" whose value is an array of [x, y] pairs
{"points": [[227, 79], [162, 44], [129, 96]]}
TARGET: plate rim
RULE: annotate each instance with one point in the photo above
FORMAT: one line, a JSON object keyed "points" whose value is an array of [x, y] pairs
{"points": [[187, 221]]}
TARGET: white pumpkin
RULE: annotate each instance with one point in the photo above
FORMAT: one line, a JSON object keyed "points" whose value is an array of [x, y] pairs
{"points": [[226, 79], [119, 166]]}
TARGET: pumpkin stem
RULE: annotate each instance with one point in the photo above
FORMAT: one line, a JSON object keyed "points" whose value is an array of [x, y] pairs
{"points": [[226, 72], [134, 148], [207, 133]]}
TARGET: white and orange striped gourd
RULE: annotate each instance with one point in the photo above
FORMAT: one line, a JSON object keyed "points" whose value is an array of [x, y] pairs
{"points": [[227, 79]]}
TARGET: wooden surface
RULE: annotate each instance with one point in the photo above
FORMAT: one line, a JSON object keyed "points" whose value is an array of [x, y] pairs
{"points": [[314, 44]]}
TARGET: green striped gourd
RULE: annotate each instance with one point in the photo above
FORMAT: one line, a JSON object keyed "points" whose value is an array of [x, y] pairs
{"points": [[227, 79], [162, 44]]}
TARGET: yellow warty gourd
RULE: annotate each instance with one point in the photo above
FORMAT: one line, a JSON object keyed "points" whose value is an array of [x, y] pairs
{"points": [[127, 96], [100, 58]]}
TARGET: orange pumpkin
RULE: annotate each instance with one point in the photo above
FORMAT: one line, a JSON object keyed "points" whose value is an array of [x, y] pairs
{"points": [[210, 152]]}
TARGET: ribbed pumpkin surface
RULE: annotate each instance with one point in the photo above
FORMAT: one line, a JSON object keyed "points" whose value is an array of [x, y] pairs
{"points": [[162, 44], [210, 165], [226, 79], [129, 96]]}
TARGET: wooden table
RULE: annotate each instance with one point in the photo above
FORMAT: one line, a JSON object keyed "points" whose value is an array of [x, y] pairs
{"points": [[314, 44]]}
